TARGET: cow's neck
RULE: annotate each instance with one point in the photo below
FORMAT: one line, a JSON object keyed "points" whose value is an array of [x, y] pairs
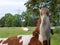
{"points": [[43, 27], [45, 23]]}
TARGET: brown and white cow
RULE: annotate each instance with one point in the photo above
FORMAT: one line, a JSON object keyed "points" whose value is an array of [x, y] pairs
{"points": [[41, 35]]}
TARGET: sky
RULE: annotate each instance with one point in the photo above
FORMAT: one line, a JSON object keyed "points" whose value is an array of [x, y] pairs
{"points": [[12, 6]]}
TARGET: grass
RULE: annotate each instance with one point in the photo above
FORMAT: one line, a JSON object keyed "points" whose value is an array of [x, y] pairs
{"points": [[55, 39], [13, 31]]}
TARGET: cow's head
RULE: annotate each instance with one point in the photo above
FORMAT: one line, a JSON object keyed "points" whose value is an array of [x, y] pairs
{"points": [[44, 12]]}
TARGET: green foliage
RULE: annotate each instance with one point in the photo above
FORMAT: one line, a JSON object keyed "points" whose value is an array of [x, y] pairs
{"points": [[30, 18], [2, 22], [35, 5], [8, 19], [17, 20]]}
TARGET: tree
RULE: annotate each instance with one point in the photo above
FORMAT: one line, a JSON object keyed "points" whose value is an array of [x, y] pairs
{"points": [[2, 22], [17, 20], [35, 5], [8, 19]]}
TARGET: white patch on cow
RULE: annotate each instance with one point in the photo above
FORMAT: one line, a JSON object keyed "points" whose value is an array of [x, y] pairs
{"points": [[18, 36], [0, 43], [3, 38], [20, 40], [40, 39], [3, 41], [0, 39], [25, 39]]}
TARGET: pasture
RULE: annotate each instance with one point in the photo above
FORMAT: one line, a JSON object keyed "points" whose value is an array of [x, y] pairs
{"points": [[13, 31]]}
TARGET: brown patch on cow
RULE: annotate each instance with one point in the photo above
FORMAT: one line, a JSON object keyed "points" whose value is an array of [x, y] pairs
{"points": [[14, 37], [34, 41], [16, 41], [38, 23], [13, 41], [1, 41], [37, 31], [8, 41]]}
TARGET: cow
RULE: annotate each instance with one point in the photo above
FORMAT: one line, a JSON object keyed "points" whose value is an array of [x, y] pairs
{"points": [[12, 41], [41, 35], [43, 26]]}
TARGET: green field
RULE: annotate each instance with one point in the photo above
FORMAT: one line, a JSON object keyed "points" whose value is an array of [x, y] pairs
{"points": [[13, 31]]}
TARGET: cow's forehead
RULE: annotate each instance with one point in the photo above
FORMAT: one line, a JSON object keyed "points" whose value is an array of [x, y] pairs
{"points": [[44, 9]]}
